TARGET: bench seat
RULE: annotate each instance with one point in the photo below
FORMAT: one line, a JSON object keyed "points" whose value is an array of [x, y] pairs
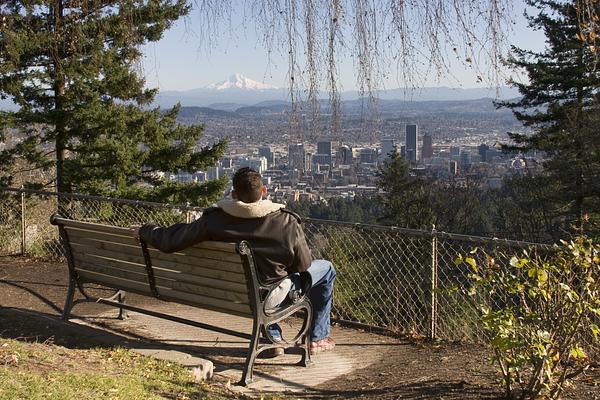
{"points": [[216, 276]]}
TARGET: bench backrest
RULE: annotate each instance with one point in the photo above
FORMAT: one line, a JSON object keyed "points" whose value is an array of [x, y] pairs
{"points": [[212, 275]]}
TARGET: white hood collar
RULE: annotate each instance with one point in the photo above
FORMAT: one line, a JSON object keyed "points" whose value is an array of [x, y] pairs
{"points": [[240, 209]]}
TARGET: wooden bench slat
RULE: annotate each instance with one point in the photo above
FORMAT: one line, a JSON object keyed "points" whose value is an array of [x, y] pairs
{"points": [[162, 283], [105, 240], [84, 247], [128, 240], [117, 273], [205, 270], [205, 302], [125, 237], [213, 293], [181, 259], [193, 252], [83, 257], [202, 278], [166, 293], [203, 267], [136, 272], [117, 283], [118, 230], [125, 250]]}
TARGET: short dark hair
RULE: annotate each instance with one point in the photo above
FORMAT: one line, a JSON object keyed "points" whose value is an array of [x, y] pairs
{"points": [[247, 184]]}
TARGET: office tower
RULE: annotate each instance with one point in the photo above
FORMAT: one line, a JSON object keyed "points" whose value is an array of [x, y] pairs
{"points": [[453, 167], [344, 156], [226, 162], [493, 155], [412, 138], [368, 156], [455, 151], [213, 173], [403, 151], [482, 150], [258, 164], [308, 164], [266, 152], [388, 147], [427, 151], [296, 157], [465, 159], [321, 159], [324, 147]]}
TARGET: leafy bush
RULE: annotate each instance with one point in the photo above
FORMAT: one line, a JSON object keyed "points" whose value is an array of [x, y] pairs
{"points": [[540, 314]]}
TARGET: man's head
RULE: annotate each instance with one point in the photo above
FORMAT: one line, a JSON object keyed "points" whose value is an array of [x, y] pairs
{"points": [[247, 185]]}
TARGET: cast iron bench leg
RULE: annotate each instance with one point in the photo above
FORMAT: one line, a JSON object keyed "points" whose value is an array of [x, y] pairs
{"points": [[252, 354], [69, 300], [121, 298]]}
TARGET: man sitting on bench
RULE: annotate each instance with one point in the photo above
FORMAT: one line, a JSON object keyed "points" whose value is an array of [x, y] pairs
{"points": [[279, 247]]}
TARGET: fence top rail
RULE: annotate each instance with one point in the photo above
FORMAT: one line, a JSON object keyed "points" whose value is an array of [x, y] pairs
{"points": [[105, 198], [436, 234], [413, 232], [492, 240], [406, 231]]}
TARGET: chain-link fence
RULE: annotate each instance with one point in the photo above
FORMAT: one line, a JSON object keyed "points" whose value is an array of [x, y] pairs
{"points": [[25, 217], [405, 280], [395, 279]]}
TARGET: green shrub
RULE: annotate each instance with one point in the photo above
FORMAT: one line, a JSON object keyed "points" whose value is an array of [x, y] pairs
{"points": [[541, 315]]}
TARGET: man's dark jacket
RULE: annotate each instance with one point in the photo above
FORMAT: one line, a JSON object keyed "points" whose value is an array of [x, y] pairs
{"points": [[274, 233]]}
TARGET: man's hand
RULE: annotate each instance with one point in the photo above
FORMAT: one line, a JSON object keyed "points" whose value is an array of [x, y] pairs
{"points": [[135, 231]]}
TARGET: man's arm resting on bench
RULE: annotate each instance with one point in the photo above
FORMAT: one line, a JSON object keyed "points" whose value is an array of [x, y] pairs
{"points": [[173, 238]]}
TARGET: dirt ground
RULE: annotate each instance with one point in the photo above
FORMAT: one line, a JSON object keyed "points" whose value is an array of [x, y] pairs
{"points": [[32, 294]]}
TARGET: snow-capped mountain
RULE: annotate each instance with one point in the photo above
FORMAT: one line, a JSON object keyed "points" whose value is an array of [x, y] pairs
{"points": [[239, 81]]}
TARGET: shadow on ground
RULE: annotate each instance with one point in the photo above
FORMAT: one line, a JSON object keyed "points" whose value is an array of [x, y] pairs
{"points": [[32, 295]]}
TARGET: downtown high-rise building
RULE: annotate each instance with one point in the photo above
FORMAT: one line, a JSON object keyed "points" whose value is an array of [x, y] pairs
{"points": [[259, 164], [368, 156], [427, 151], [465, 159], [324, 147], [388, 148], [455, 152], [296, 157], [412, 138], [344, 156], [267, 153], [482, 150]]}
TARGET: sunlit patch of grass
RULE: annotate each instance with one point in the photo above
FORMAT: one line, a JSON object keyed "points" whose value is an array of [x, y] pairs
{"points": [[46, 371]]}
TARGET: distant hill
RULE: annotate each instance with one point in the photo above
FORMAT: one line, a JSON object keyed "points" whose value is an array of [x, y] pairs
{"points": [[268, 97], [386, 107], [193, 112], [273, 103], [225, 106], [253, 110], [239, 96]]}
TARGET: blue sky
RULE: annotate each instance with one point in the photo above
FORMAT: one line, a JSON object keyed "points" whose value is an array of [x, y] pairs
{"points": [[180, 62]]}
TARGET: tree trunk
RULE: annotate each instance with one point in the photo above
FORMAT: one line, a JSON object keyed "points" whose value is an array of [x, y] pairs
{"points": [[59, 91]]}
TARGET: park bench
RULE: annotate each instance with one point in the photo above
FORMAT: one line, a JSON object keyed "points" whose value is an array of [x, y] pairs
{"points": [[216, 276]]}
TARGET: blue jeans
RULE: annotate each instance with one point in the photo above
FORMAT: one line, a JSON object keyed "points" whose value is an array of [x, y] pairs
{"points": [[320, 294]]}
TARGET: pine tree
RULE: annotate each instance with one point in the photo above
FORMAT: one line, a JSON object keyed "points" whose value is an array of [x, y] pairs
{"points": [[560, 102], [84, 112]]}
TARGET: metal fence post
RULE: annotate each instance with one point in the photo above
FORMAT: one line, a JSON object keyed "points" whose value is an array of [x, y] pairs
{"points": [[433, 285], [23, 227]]}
